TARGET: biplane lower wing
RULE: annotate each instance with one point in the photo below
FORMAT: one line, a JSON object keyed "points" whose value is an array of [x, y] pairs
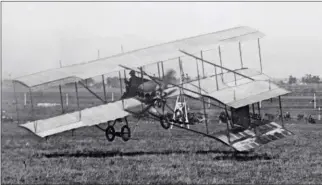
{"points": [[248, 139], [87, 117]]}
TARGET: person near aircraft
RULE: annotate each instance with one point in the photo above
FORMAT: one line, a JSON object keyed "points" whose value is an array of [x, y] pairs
{"points": [[132, 84], [133, 81]]}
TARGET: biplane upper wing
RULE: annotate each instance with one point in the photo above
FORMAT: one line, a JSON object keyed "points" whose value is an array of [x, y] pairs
{"points": [[136, 58]]}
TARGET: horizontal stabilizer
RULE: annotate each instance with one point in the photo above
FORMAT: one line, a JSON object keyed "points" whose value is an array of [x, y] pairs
{"points": [[87, 117], [246, 139]]}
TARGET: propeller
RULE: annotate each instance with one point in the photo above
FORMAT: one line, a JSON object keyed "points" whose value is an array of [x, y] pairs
{"points": [[169, 76], [167, 79]]}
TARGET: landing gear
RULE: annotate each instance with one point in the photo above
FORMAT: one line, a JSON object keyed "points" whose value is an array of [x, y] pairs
{"points": [[164, 120], [165, 123], [125, 132], [110, 133]]}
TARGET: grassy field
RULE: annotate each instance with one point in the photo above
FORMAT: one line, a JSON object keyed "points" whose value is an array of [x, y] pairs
{"points": [[155, 155]]}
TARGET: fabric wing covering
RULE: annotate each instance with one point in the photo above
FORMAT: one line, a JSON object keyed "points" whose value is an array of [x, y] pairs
{"points": [[237, 93], [87, 117], [137, 58]]}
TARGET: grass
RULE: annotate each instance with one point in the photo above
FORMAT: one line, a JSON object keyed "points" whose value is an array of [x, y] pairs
{"points": [[155, 155]]}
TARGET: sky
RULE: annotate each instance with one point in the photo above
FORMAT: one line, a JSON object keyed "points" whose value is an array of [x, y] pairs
{"points": [[37, 35]]}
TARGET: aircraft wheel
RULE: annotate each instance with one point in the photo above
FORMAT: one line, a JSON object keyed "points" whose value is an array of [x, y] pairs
{"points": [[110, 133], [165, 124], [125, 133]]}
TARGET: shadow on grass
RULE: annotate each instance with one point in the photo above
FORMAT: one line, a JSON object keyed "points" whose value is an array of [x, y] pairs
{"points": [[223, 155]]}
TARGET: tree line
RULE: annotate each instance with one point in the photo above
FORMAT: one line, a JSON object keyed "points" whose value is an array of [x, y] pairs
{"points": [[308, 79]]}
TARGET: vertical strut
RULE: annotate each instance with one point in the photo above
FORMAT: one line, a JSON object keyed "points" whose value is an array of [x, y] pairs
{"points": [[77, 98], [127, 87], [181, 71], [281, 111], [198, 75], [32, 104], [228, 135], [232, 117], [16, 99], [61, 99], [220, 59], [32, 110], [260, 54], [141, 72], [159, 69], [203, 99], [103, 80], [181, 78], [121, 87], [241, 56], [78, 108], [216, 78], [124, 74], [202, 63], [162, 69]]}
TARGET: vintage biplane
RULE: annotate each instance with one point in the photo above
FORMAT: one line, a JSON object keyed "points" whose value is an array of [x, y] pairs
{"points": [[233, 93]]}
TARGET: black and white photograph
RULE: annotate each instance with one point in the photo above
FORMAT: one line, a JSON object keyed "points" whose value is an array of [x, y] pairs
{"points": [[161, 92]]}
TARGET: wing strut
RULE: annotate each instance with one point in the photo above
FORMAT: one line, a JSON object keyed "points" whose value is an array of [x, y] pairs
{"points": [[260, 55], [220, 58], [98, 97], [16, 100], [103, 81], [198, 58], [241, 55], [281, 112], [61, 99], [203, 99], [77, 98]]}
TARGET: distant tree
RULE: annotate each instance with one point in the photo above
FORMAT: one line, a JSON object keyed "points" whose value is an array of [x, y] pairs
{"points": [[88, 81], [281, 82], [308, 78], [292, 80], [114, 82], [108, 82], [315, 79]]}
